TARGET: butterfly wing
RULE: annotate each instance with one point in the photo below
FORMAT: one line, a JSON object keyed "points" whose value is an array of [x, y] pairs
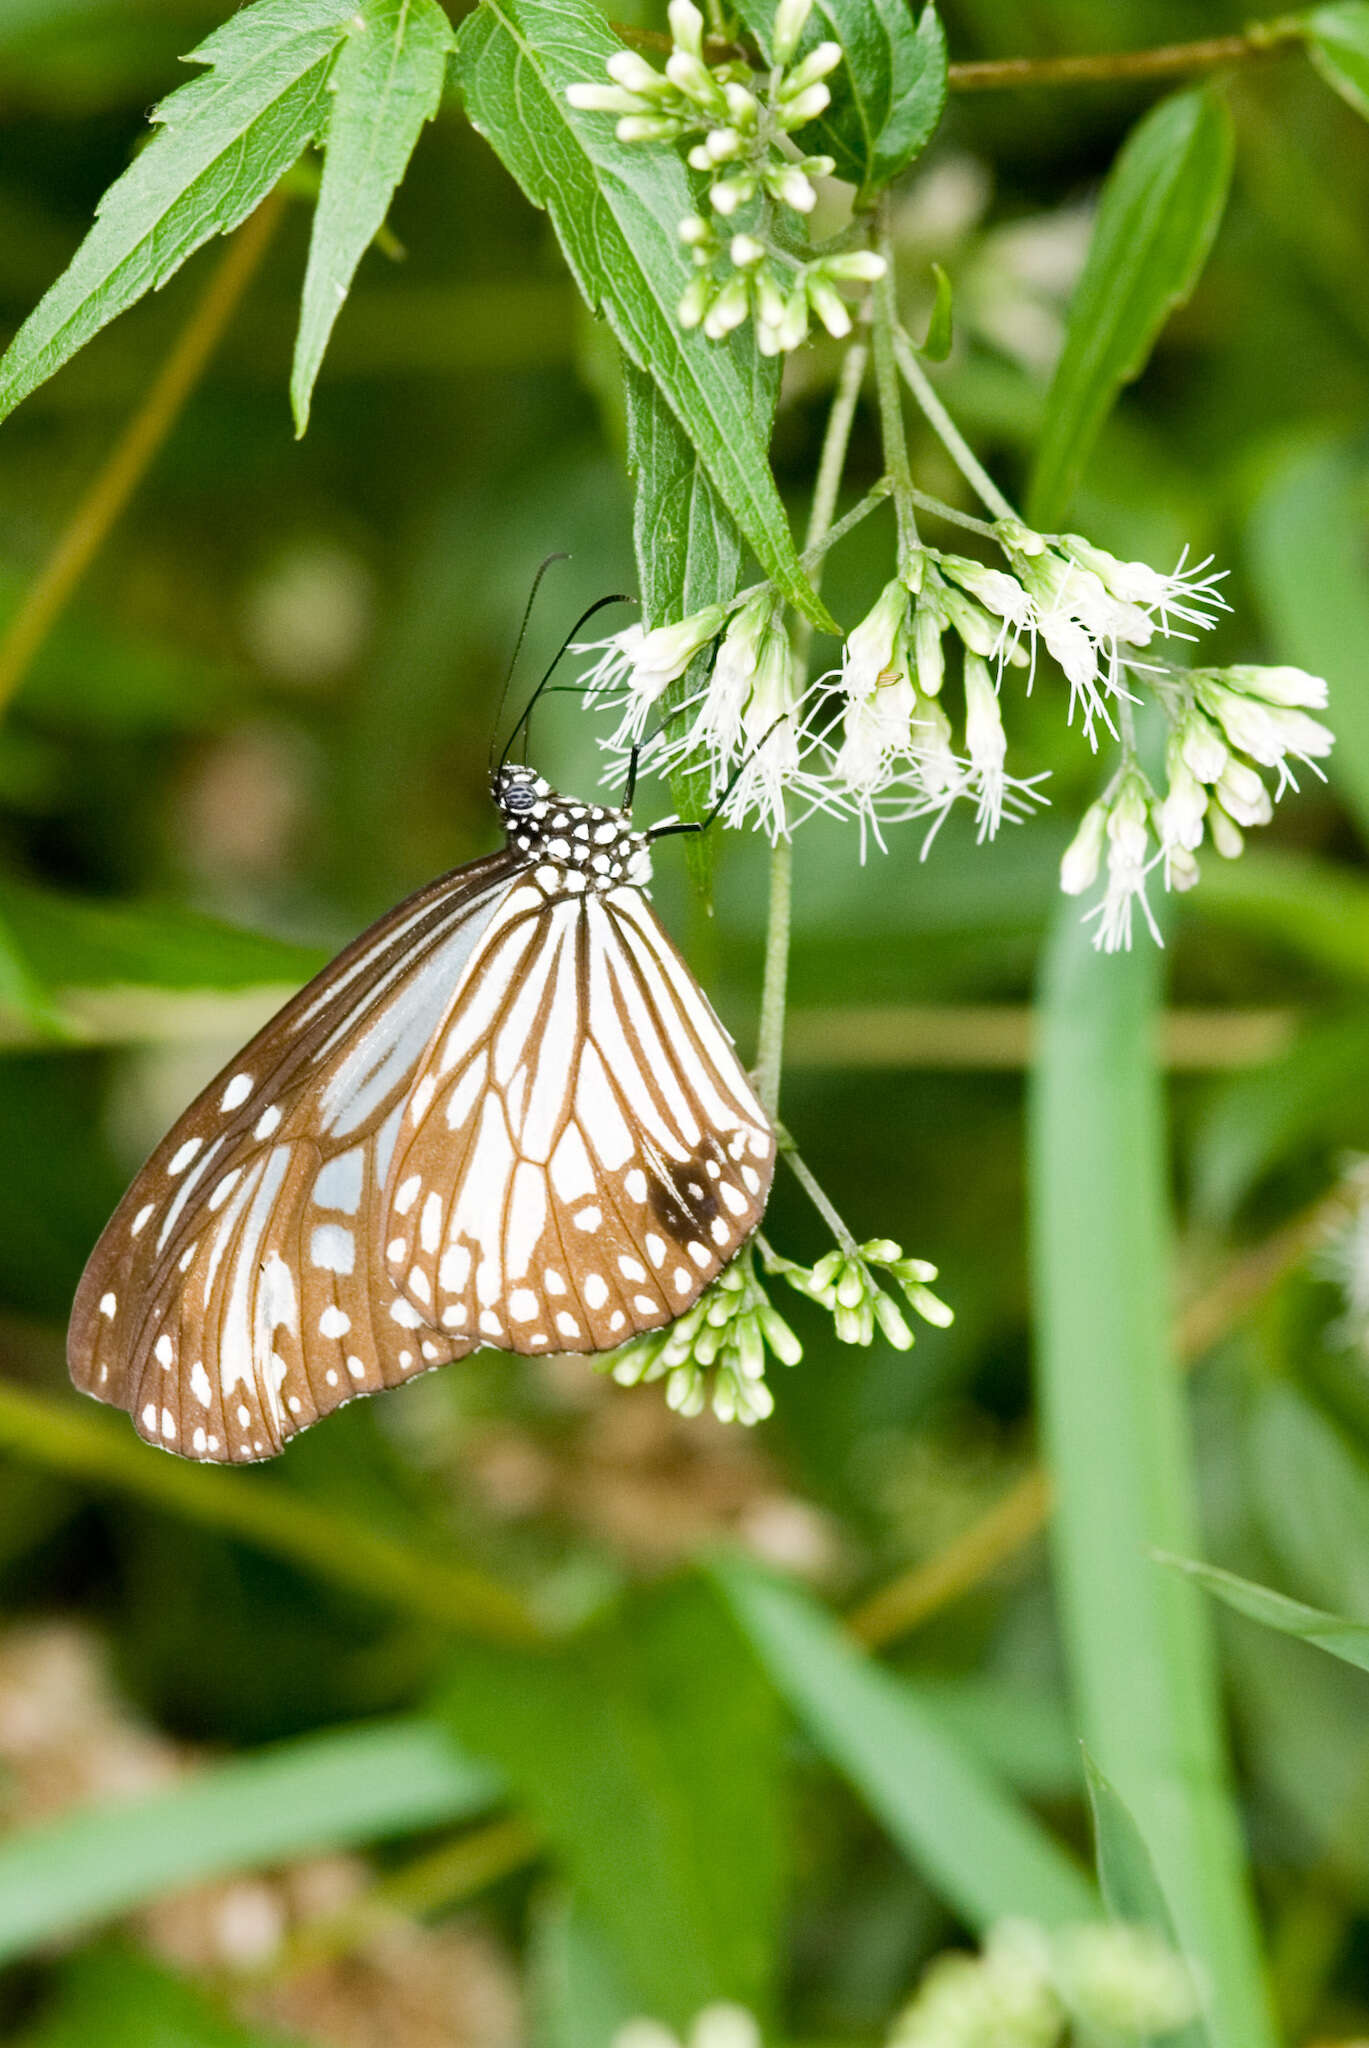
{"points": [[582, 1152], [238, 1292]]}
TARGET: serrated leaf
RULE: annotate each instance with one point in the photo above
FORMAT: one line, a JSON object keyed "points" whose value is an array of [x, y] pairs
{"points": [[1348, 1640], [615, 208], [688, 549], [1126, 1877], [385, 87], [888, 92], [648, 1755], [1159, 212], [1338, 44], [222, 143]]}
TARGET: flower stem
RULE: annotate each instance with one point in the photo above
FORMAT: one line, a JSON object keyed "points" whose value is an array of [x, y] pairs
{"points": [[892, 430], [812, 1187], [1260, 39], [946, 430], [775, 985]]}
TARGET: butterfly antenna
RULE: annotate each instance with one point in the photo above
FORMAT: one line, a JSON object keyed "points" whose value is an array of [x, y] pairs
{"points": [[674, 825], [542, 569], [600, 604]]}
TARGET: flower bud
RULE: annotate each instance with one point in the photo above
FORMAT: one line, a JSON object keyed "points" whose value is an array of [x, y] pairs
{"points": [[819, 61], [787, 183], [1226, 834], [830, 308], [791, 19], [1243, 795], [728, 309], [892, 1322], [647, 128], [1292, 688], [730, 193], [810, 103], [985, 739], [856, 266], [746, 251], [604, 99], [632, 72], [1181, 869], [929, 661], [686, 27], [1082, 857], [1201, 746], [694, 231], [869, 649], [695, 301], [1180, 821]]}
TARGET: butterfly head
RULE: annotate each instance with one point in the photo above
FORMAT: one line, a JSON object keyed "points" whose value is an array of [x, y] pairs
{"points": [[587, 845]]}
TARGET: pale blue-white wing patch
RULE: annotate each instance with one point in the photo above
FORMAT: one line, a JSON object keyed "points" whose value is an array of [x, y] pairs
{"points": [[237, 1293], [581, 1152]]}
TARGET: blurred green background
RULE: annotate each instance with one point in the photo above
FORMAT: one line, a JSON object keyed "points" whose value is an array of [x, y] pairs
{"points": [[268, 706]]}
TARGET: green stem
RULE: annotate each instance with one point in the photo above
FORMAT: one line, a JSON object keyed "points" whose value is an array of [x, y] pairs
{"points": [[775, 984], [953, 516], [1260, 39], [946, 430], [884, 310]]}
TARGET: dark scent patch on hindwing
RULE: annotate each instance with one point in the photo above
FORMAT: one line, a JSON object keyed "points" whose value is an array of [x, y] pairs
{"points": [[683, 1195]]}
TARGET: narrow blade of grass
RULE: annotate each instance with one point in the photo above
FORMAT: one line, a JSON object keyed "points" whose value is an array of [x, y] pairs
{"points": [[1112, 1412]]}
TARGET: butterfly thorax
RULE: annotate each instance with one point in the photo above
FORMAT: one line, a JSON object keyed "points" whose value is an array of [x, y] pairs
{"points": [[587, 845]]}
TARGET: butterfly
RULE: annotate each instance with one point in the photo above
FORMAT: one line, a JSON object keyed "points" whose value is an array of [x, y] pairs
{"points": [[506, 1115]]}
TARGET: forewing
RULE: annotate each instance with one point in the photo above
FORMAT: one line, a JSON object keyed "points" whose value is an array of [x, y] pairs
{"points": [[238, 1293], [583, 1152]]}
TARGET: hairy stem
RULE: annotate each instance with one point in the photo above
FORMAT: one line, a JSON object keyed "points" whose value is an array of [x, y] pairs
{"points": [[89, 525]]}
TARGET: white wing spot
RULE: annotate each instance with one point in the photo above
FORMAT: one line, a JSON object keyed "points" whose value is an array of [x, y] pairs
{"points": [[490, 1324], [432, 1352], [397, 1249], [700, 1253], [236, 1093], [635, 1183], [293, 1403], [567, 1324], [617, 1319], [420, 1284], [168, 1425], [595, 1290], [455, 1269], [198, 1442], [588, 1219], [407, 1194], [266, 1123], [733, 1200], [713, 1170], [645, 1306], [140, 1219], [334, 1322], [681, 1280], [422, 1097], [554, 1283], [523, 1305], [655, 1248], [752, 1179], [719, 1231], [150, 1415], [163, 1350], [356, 1368], [182, 1158], [453, 1318], [224, 1188], [199, 1384], [405, 1314], [331, 1377], [244, 1414], [538, 1337], [631, 1269], [108, 1305], [430, 1229], [332, 1248]]}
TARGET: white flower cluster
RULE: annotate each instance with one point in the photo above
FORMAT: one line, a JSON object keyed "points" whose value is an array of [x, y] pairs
{"points": [[878, 740], [844, 1283], [717, 2026], [1030, 1987], [750, 166], [1226, 725]]}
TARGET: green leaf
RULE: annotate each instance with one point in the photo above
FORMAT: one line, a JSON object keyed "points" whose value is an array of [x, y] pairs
{"points": [[1338, 44], [1348, 1640], [386, 85], [979, 1850], [327, 1791], [615, 208], [1310, 1491], [122, 2000], [576, 1994], [888, 92], [688, 549], [648, 1755], [1160, 208], [940, 327], [223, 142], [1112, 1412], [1310, 577], [1126, 1876]]}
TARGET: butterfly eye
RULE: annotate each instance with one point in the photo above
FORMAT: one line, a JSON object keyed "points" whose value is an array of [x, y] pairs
{"points": [[520, 798]]}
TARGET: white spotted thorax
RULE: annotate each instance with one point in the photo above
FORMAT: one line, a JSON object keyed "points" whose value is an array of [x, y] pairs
{"points": [[585, 846], [505, 1116]]}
